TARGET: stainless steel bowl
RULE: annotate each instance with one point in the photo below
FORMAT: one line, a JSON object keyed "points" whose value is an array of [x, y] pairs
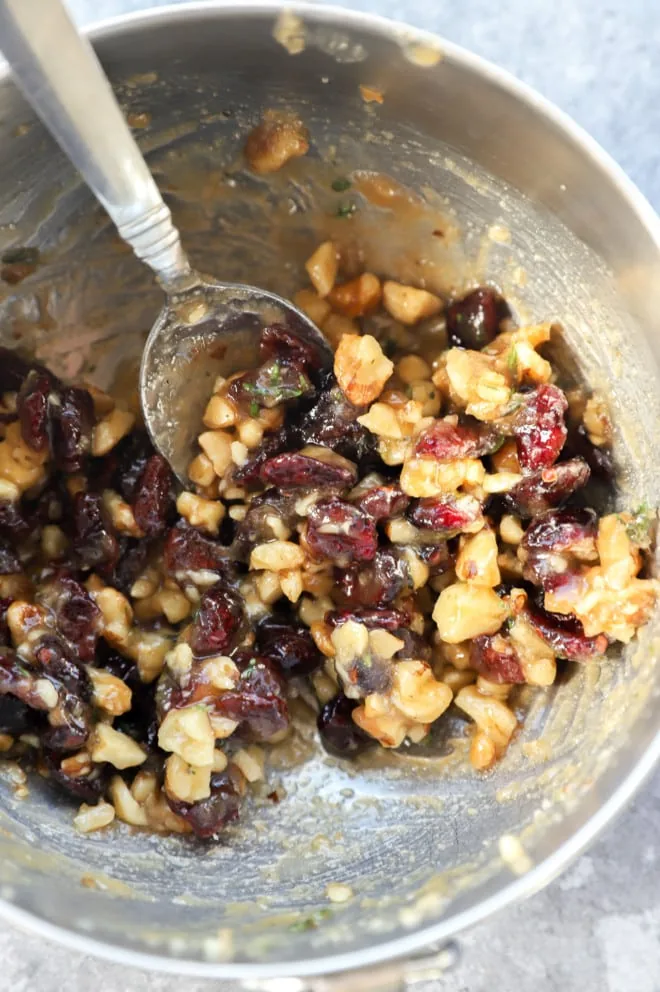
{"points": [[522, 197]]}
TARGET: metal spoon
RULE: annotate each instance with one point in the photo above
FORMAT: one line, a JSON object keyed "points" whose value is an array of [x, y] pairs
{"points": [[205, 328]]}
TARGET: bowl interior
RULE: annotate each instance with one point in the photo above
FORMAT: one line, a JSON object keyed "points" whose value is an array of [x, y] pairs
{"points": [[513, 198]]}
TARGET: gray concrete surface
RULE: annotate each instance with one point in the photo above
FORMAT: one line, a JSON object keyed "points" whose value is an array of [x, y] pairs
{"points": [[597, 928]]}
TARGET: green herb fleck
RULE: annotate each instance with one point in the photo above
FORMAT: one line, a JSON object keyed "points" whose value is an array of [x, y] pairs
{"points": [[512, 360], [254, 409], [346, 209], [497, 444], [310, 922], [640, 526], [22, 256], [248, 387], [275, 374], [303, 382], [341, 184], [249, 668]]}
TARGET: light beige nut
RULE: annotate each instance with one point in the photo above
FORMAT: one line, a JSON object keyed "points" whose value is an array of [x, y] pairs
{"points": [[412, 368], [418, 570], [311, 609], [77, 765], [148, 648], [417, 694], [219, 761], [268, 587], [312, 305], [203, 513], [381, 420], [90, 818], [220, 672], [239, 453], [596, 419], [500, 482], [361, 368], [491, 715], [464, 611], [54, 542], [457, 680], [428, 396], [22, 619], [144, 785], [335, 326], [277, 556], [408, 304], [46, 692], [321, 635], [358, 297], [505, 459], [483, 752], [291, 583], [537, 659], [201, 472], [275, 141], [322, 267], [222, 727], [476, 384], [336, 891], [250, 761], [379, 718], [185, 782], [384, 644], [180, 660], [117, 615], [121, 514], [324, 687], [427, 477], [250, 432], [393, 451], [477, 559], [188, 733], [511, 530], [350, 640], [116, 748], [220, 412], [127, 808], [216, 445], [109, 431], [111, 694]]}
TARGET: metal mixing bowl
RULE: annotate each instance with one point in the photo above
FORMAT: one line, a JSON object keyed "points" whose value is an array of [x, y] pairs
{"points": [[523, 198]]}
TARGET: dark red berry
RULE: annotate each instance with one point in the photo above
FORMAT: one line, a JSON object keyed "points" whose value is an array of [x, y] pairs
{"points": [[83, 788], [258, 703], [187, 550], [255, 528], [14, 524], [294, 470], [565, 635], [154, 501], [34, 403], [374, 619], [248, 473], [571, 531], [91, 532], [16, 717], [539, 428], [474, 321], [446, 515], [340, 532], [282, 342], [76, 615], [276, 382], [547, 488], [339, 735], [332, 422], [128, 462], [218, 622], [288, 645], [72, 422], [375, 584], [382, 502], [495, 657], [208, 817], [9, 562]]}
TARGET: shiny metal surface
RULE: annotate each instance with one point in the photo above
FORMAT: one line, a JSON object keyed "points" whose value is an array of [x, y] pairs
{"points": [[416, 840], [61, 77]]}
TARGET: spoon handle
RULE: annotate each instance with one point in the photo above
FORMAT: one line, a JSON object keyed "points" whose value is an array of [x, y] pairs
{"points": [[62, 78]]}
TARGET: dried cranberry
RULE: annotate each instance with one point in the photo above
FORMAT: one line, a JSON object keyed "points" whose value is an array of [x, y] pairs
{"points": [[218, 622], [71, 719], [34, 404], [565, 635], [91, 532], [572, 531], [255, 528], [154, 501], [16, 717], [288, 645], [446, 442], [9, 562], [280, 341], [474, 321], [275, 382], [415, 646], [77, 616], [186, 550], [18, 681], [133, 557], [599, 460], [13, 522], [382, 502], [128, 462], [293, 470], [495, 657], [446, 515], [374, 619], [258, 702], [208, 817], [5, 603], [539, 427], [84, 788], [339, 735], [332, 423], [340, 532], [438, 557], [547, 488], [248, 473], [72, 423], [375, 584]]}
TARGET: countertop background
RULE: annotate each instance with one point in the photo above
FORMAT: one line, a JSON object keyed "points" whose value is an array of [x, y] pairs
{"points": [[597, 928]]}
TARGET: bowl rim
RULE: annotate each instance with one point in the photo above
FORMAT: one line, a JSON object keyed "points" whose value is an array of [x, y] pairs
{"points": [[544, 871]]}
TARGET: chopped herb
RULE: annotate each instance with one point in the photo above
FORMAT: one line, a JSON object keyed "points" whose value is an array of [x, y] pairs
{"points": [[248, 387], [310, 922], [497, 444], [249, 668], [346, 209], [303, 382], [512, 360], [639, 527], [254, 409], [22, 256], [275, 374], [341, 184]]}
